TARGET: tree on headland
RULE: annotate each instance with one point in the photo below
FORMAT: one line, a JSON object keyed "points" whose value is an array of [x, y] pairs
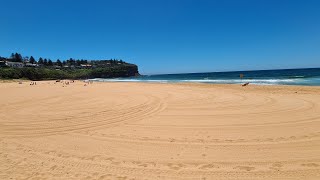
{"points": [[83, 61], [45, 62], [71, 61], [32, 60], [40, 61], [16, 57], [50, 62], [59, 63], [78, 62]]}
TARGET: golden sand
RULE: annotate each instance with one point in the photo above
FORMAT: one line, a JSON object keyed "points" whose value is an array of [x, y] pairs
{"points": [[158, 131]]}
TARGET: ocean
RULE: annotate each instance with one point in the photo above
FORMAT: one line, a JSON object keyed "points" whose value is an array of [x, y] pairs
{"points": [[306, 77]]}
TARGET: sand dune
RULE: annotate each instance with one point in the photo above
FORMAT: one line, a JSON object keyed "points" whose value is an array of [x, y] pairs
{"points": [[158, 131]]}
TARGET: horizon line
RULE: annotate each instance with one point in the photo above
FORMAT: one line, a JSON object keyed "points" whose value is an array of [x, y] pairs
{"points": [[231, 71]]}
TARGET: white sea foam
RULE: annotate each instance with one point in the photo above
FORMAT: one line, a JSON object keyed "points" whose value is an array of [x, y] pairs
{"points": [[129, 80], [215, 81], [238, 81]]}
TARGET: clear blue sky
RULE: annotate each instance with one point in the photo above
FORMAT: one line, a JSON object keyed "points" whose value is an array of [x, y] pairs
{"points": [[167, 36]]}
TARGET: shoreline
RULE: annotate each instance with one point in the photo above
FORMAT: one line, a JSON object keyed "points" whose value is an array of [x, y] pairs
{"points": [[177, 83]]}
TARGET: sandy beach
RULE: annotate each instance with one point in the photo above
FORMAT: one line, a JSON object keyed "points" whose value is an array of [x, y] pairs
{"points": [[158, 131]]}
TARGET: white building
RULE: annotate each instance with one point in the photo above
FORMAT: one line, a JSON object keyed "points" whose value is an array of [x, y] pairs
{"points": [[31, 65], [15, 64]]}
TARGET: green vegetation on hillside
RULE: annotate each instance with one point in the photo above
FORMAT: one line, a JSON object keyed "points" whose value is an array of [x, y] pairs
{"points": [[17, 67]]}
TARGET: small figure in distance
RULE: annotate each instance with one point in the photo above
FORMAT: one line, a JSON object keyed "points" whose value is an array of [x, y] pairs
{"points": [[245, 84]]}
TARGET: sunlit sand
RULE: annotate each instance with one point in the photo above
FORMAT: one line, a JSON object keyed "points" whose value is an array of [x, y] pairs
{"points": [[158, 131]]}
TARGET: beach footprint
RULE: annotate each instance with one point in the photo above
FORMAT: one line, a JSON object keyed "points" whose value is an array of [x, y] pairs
{"points": [[310, 165], [276, 166], [245, 168], [208, 166], [175, 166]]}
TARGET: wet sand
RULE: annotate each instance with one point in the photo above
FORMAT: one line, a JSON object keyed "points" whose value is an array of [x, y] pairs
{"points": [[158, 131]]}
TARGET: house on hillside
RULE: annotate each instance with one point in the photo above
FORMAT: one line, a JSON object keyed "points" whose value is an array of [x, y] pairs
{"points": [[86, 66], [57, 67], [3, 63], [15, 64], [31, 65]]}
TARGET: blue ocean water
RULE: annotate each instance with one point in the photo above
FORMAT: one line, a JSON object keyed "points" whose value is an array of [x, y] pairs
{"points": [[307, 77]]}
